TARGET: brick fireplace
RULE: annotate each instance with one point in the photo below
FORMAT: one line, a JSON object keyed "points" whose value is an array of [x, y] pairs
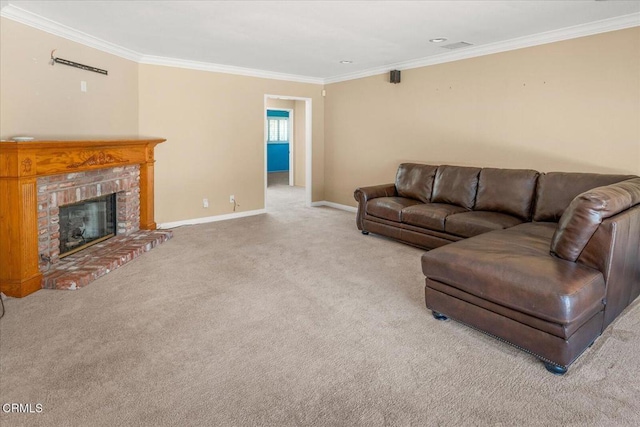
{"points": [[55, 191], [37, 177]]}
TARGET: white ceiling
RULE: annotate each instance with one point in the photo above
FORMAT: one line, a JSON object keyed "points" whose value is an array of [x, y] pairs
{"points": [[308, 39]]}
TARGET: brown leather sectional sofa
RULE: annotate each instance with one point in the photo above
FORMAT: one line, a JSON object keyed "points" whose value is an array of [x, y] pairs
{"points": [[544, 262]]}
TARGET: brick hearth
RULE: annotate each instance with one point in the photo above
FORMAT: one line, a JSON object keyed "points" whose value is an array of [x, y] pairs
{"points": [[80, 269]]}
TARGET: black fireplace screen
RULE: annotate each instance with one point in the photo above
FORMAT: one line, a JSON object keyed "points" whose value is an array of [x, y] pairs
{"points": [[86, 223]]}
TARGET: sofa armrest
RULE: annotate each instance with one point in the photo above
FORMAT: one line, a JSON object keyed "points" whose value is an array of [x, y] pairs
{"points": [[587, 211], [614, 249], [601, 229], [364, 194]]}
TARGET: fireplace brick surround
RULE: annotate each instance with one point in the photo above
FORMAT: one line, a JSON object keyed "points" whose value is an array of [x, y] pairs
{"points": [[55, 191], [37, 177]]}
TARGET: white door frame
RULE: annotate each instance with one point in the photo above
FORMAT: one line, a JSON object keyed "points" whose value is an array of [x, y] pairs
{"points": [[291, 139], [308, 144]]}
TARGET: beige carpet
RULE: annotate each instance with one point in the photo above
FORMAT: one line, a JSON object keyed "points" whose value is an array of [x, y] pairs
{"points": [[292, 318], [277, 178]]}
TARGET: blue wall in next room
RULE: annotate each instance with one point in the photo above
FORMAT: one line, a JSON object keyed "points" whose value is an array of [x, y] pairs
{"points": [[278, 157], [277, 152]]}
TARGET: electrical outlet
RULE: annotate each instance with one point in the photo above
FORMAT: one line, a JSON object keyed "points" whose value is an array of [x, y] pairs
{"points": [[232, 199], [205, 203], [83, 86]]}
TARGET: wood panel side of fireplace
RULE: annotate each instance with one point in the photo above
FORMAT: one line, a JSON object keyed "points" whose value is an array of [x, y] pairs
{"points": [[21, 163]]}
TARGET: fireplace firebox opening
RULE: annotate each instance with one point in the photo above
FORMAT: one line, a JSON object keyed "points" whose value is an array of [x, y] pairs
{"points": [[86, 223]]}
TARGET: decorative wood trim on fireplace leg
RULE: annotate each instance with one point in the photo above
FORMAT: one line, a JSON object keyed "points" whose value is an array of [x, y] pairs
{"points": [[19, 272], [147, 221]]}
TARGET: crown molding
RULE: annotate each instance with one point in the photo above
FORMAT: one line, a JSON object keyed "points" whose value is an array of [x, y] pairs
{"points": [[228, 69], [22, 16], [592, 28], [36, 21], [41, 23]]}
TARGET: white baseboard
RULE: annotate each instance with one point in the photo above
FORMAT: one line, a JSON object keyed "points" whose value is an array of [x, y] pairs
{"points": [[194, 221], [207, 219], [335, 206]]}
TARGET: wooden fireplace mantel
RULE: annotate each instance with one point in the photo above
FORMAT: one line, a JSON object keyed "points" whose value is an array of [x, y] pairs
{"points": [[21, 163]]}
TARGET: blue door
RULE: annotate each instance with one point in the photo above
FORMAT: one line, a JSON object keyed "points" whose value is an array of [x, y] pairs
{"points": [[278, 141]]}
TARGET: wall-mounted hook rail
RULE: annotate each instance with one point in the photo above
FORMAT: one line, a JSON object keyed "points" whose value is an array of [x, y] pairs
{"points": [[55, 60]]}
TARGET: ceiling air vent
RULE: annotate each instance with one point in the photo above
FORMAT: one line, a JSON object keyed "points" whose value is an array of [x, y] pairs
{"points": [[456, 45]]}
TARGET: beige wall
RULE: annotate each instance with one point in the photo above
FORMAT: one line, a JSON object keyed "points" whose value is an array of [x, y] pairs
{"points": [[213, 122], [299, 148], [568, 106], [285, 104], [571, 106], [214, 125], [38, 99]]}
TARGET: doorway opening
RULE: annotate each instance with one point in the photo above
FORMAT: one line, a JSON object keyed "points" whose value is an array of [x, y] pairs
{"points": [[280, 146], [287, 149]]}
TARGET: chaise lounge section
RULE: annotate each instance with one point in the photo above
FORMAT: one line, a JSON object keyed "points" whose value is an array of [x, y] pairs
{"points": [[544, 262]]}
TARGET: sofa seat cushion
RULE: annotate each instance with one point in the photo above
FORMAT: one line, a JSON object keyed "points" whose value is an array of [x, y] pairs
{"points": [[469, 224], [513, 268], [389, 207], [430, 215]]}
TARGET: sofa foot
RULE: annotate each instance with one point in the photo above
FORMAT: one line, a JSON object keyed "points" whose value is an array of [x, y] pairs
{"points": [[365, 232], [555, 369], [439, 316]]}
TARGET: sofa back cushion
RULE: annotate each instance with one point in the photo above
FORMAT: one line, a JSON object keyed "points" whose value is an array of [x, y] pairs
{"points": [[508, 191], [415, 181], [585, 213], [456, 185], [557, 189]]}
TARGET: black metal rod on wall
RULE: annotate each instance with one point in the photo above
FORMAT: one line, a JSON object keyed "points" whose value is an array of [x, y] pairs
{"points": [[76, 64]]}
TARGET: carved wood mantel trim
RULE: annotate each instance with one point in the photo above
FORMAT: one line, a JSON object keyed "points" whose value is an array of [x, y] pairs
{"points": [[21, 163]]}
